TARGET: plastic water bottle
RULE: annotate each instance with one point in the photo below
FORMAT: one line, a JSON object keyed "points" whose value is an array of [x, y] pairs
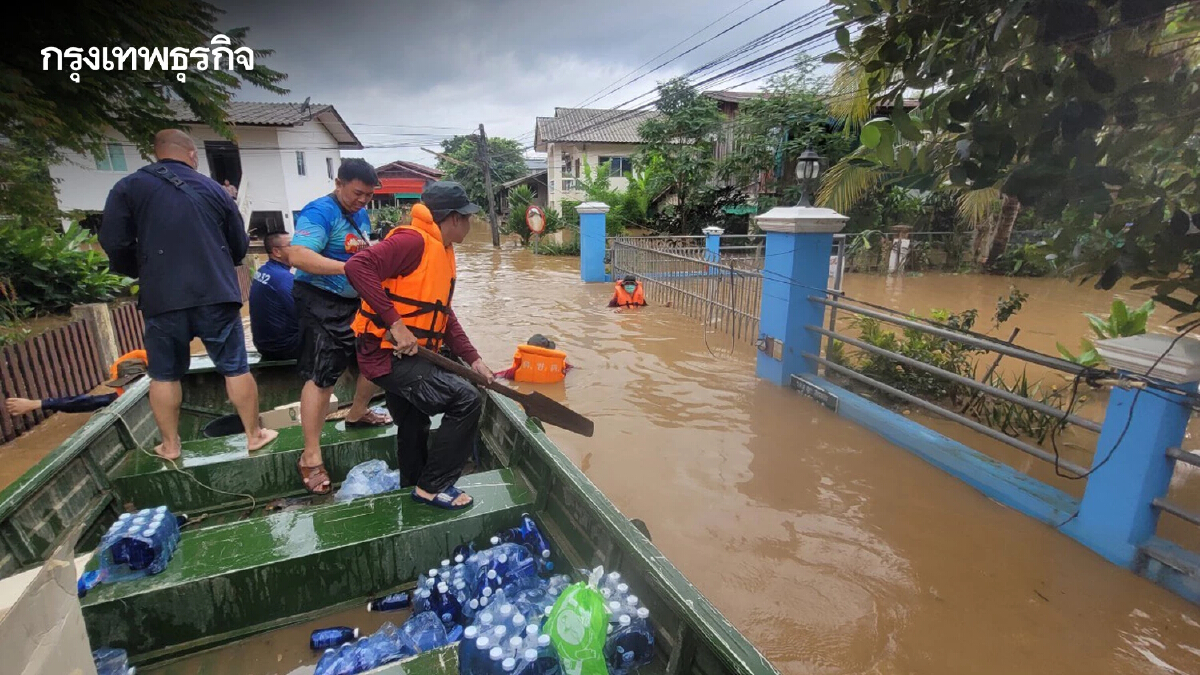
{"points": [[509, 665], [389, 603], [338, 661], [472, 652], [631, 644], [326, 638], [547, 662], [464, 551]]}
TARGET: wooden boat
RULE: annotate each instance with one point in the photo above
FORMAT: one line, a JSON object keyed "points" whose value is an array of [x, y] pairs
{"points": [[241, 568]]}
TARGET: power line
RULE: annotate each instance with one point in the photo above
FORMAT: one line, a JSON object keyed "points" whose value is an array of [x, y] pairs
{"points": [[602, 93]]}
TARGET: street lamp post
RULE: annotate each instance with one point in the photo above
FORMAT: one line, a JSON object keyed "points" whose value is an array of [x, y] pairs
{"points": [[808, 171]]}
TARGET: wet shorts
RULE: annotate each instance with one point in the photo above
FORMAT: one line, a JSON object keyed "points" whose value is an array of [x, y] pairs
{"points": [[169, 338], [326, 339]]}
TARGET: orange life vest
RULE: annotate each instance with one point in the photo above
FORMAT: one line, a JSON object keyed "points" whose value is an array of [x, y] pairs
{"points": [[422, 299], [538, 364], [127, 356], [625, 299]]}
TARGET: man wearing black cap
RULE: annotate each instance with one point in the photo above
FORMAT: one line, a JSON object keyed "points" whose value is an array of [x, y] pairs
{"points": [[406, 283], [126, 370]]}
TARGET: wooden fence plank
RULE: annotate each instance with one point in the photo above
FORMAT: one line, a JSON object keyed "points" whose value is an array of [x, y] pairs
{"points": [[63, 347], [12, 426], [91, 354], [32, 385], [50, 375]]}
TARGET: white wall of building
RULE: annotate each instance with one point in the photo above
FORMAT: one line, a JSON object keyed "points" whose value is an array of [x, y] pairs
{"points": [[590, 154], [269, 171]]}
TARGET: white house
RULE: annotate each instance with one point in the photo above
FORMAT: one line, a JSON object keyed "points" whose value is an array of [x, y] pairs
{"points": [[285, 155], [578, 136]]}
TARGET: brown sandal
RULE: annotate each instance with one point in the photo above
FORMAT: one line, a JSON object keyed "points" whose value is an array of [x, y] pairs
{"points": [[316, 479]]}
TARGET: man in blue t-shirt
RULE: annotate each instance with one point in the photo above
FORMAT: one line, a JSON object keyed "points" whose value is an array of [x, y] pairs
{"points": [[328, 231], [273, 324]]}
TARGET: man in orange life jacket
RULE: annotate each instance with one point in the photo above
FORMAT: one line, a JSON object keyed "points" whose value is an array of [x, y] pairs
{"points": [[129, 367], [406, 283], [628, 293], [537, 361]]}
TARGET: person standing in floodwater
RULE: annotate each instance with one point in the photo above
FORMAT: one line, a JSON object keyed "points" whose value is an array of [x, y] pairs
{"points": [[181, 235]]}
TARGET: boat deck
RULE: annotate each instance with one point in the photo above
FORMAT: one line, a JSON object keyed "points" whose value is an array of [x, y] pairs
{"points": [[224, 463], [233, 579]]}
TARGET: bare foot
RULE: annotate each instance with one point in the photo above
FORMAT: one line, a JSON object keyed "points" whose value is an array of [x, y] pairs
{"points": [[171, 453], [461, 500], [264, 436]]}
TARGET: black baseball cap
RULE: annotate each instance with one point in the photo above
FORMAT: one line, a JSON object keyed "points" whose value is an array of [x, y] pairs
{"points": [[446, 195]]}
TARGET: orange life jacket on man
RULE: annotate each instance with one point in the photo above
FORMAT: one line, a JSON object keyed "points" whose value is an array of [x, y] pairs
{"points": [[627, 299], [127, 356], [538, 364], [422, 299]]}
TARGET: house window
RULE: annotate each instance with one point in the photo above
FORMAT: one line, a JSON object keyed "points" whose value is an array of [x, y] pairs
{"points": [[618, 166], [114, 158], [329, 167], [300, 163]]}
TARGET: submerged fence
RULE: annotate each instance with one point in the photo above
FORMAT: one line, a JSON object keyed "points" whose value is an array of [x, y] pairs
{"points": [[722, 294]]}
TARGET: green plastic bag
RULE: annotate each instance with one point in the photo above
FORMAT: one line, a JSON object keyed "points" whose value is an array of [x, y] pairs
{"points": [[578, 627]]}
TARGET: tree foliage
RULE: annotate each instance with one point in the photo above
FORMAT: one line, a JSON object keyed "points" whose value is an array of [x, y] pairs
{"points": [[771, 131], [680, 141], [46, 106], [1081, 110], [505, 156]]}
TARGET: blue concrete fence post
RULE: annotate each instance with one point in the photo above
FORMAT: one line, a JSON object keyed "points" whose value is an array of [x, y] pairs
{"points": [[592, 216], [1116, 516], [712, 243], [799, 243]]}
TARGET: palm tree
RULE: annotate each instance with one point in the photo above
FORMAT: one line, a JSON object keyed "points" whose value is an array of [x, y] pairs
{"points": [[990, 214]]}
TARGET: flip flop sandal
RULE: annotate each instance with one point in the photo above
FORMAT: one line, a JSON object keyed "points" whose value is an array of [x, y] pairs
{"points": [[444, 499], [374, 418], [315, 477]]}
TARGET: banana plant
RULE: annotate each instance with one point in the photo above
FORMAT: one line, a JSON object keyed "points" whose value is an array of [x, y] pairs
{"points": [[1120, 322]]}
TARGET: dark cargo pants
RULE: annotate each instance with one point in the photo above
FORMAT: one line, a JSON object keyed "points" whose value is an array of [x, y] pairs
{"points": [[417, 390]]}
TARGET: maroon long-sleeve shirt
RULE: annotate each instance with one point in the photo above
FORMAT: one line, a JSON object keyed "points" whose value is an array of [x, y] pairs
{"points": [[397, 256]]}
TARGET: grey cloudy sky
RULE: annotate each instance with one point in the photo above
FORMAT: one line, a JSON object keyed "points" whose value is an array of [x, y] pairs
{"points": [[403, 67]]}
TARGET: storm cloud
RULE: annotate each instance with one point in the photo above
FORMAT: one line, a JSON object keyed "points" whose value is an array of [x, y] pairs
{"points": [[404, 74]]}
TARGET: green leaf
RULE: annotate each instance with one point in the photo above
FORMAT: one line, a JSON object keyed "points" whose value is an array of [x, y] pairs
{"points": [[843, 38], [1099, 326], [871, 135], [904, 123], [834, 57], [1119, 313]]}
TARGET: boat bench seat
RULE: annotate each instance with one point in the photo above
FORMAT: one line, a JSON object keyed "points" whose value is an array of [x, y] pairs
{"points": [[146, 481], [231, 580]]}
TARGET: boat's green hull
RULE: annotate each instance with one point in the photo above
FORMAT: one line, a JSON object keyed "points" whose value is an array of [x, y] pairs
{"points": [[244, 571]]}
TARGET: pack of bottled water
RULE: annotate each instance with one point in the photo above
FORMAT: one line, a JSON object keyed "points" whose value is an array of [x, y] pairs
{"points": [[630, 641], [138, 544], [422, 632], [505, 640]]}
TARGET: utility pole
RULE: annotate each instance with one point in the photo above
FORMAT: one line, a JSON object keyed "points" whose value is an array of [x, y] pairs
{"points": [[486, 166]]}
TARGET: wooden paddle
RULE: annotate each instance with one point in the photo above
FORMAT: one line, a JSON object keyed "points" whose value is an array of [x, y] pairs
{"points": [[535, 404]]}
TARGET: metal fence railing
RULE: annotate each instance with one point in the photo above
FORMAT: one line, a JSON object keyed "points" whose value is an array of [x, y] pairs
{"points": [[721, 294], [841, 303]]}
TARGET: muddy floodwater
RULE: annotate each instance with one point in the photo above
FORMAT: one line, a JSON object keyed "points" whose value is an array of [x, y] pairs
{"points": [[832, 550]]}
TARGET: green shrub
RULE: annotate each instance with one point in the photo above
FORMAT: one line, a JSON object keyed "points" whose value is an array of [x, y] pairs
{"points": [[519, 200], [1120, 322], [49, 271]]}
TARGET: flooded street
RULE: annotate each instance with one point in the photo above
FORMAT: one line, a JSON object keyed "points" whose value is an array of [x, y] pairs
{"points": [[832, 550]]}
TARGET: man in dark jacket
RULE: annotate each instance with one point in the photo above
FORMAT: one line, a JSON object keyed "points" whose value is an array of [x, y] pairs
{"points": [[181, 235]]}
